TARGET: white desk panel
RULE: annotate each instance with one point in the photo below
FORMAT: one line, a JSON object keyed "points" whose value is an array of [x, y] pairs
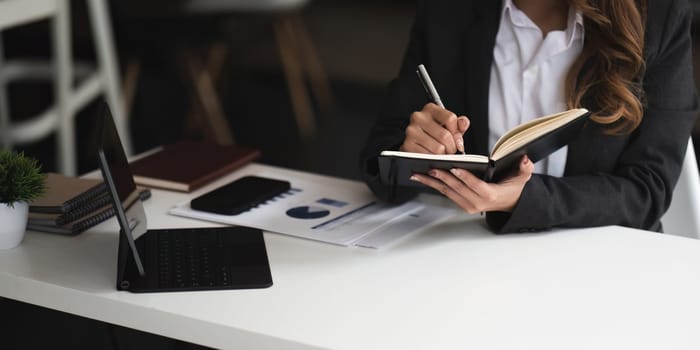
{"points": [[453, 286]]}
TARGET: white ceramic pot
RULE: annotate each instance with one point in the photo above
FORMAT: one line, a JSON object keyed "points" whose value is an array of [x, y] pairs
{"points": [[13, 223]]}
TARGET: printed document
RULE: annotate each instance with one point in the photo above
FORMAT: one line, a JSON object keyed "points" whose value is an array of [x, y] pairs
{"points": [[332, 210]]}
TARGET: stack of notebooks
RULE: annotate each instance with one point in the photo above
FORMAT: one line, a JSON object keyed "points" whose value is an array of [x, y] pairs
{"points": [[71, 205]]}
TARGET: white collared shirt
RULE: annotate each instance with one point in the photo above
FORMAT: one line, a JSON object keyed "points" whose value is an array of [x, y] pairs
{"points": [[528, 75]]}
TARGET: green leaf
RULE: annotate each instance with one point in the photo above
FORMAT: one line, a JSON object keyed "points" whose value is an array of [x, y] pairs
{"points": [[20, 178]]}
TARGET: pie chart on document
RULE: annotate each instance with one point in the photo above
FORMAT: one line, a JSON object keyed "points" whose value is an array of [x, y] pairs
{"points": [[308, 212]]}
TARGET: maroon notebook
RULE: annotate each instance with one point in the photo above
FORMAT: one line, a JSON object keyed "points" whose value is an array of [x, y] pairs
{"points": [[188, 165]]}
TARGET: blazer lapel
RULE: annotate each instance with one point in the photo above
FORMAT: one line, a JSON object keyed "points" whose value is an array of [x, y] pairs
{"points": [[479, 40]]}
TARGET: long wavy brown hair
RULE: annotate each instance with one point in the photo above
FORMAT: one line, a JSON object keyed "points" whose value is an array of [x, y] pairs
{"points": [[608, 72]]}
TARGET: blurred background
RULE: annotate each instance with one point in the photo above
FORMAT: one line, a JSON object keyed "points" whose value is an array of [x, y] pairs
{"points": [[300, 80]]}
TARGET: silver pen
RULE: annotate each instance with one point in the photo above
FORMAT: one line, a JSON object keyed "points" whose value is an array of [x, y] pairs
{"points": [[428, 85], [430, 88]]}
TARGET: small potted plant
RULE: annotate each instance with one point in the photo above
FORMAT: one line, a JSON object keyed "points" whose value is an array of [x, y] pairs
{"points": [[20, 183]]}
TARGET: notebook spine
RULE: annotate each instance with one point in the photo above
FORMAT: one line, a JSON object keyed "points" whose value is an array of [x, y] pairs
{"points": [[490, 171], [93, 220], [86, 209], [105, 214], [80, 199]]}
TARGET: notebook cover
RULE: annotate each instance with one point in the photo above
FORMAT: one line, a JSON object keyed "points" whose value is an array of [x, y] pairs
{"points": [[65, 193], [396, 170], [188, 165]]}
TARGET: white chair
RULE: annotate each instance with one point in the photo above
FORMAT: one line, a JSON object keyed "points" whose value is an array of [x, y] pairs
{"points": [[60, 118], [683, 216]]}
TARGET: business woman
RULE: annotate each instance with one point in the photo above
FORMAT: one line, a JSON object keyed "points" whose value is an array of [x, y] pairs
{"points": [[499, 63]]}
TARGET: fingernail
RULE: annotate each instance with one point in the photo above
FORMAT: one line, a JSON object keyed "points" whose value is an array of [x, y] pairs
{"points": [[454, 171], [460, 145], [463, 123], [413, 178], [433, 173]]}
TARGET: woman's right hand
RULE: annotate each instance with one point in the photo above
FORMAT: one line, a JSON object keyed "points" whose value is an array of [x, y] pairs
{"points": [[435, 130]]}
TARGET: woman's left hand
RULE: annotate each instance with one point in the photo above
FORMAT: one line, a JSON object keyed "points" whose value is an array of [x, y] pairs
{"points": [[475, 195]]}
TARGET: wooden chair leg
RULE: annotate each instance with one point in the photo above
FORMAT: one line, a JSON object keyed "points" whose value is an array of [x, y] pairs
{"points": [[291, 64], [216, 57], [209, 100], [195, 124], [215, 64], [131, 80], [312, 65]]}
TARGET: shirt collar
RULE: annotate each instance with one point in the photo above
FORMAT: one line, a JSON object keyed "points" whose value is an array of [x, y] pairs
{"points": [[574, 28]]}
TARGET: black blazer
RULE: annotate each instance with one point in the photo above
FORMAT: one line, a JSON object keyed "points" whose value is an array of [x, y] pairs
{"points": [[609, 180]]}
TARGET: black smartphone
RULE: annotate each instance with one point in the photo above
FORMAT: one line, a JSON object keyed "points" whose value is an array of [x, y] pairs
{"points": [[240, 195]]}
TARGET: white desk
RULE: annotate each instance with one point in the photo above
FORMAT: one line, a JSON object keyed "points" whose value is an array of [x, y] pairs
{"points": [[456, 286]]}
